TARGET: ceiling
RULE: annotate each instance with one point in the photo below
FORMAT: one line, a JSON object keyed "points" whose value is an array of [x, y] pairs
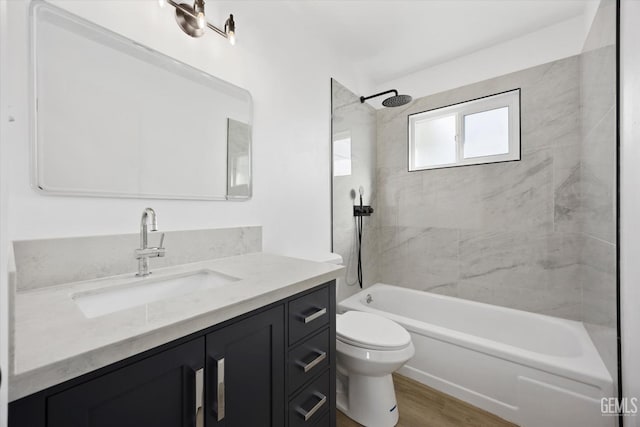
{"points": [[387, 39]]}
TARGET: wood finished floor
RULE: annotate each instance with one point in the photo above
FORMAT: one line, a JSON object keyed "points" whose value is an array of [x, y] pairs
{"points": [[422, 406]]}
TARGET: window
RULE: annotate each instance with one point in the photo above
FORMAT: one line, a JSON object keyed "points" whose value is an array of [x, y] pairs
{"points": [[484, 130], [342, 154]]}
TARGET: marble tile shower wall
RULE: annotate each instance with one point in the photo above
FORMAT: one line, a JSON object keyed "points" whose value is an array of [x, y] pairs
{"points": [[350, 116], [505, 233]]}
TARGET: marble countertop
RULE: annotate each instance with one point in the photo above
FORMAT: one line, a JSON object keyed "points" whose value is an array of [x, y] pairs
{"points": [[53, 341]]}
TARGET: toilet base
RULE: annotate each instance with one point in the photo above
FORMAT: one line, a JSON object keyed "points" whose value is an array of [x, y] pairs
{"points": [[370, 401]]}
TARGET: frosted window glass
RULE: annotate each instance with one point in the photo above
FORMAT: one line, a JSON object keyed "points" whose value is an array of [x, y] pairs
{"points": [[483, 130], [342, 157], [435, 141], [486, 133]]}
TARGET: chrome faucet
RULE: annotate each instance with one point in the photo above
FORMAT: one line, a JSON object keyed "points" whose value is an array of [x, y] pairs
{"points": [[144, 253]]}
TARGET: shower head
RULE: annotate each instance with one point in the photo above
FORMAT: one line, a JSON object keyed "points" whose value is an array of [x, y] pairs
{"points": [[393, 101], [396, 101]]}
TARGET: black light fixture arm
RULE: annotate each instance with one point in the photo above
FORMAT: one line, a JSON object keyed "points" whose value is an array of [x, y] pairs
{"points": [[363, 98]]}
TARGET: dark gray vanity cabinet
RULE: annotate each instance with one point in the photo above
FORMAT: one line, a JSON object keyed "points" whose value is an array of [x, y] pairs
{"points": [[273, 367], [158, 391], [311, 382], [245, 372]]}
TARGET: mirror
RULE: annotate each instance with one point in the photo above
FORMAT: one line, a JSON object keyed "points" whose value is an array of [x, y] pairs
{"points": [[239, 159], [113, 118]]}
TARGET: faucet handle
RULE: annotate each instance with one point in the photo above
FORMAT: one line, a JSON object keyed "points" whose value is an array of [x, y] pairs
{"points": [[161, 245]]}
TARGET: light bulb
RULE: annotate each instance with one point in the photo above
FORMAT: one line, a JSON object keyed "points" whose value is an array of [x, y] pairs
{"points": [[230, 29], [200, 20], [161, 3]]}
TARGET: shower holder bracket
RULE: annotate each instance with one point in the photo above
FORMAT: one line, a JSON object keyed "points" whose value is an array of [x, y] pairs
{"points": [[362, 210]]}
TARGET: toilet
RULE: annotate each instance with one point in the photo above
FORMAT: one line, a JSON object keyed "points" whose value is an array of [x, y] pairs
{"points": [[369, 349]]}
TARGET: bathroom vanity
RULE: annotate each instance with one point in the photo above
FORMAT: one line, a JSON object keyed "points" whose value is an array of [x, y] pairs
{"points": [[220, 334], [266, 357]]}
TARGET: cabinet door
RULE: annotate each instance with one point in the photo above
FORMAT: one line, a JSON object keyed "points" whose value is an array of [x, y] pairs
{"points": [[245, 373], [159, 391]]}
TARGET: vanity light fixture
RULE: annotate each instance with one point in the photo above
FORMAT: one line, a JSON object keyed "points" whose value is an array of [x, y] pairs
{"points": [[192, 20]]}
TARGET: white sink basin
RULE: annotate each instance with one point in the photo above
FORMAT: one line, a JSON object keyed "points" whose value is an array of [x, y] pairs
{"points": [[143, 291]]}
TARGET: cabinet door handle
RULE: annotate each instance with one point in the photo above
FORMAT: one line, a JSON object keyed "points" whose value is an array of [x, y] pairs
{"points": [[314, 316], [198, 392], [308, 414], [309, 366], [219, 404], [194, 391]]}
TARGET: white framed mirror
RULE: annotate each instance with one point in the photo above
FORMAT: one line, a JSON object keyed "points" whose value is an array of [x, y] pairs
{"points": [[113, 118]]}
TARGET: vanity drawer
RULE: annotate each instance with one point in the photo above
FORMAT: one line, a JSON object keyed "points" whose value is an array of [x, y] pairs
{"points": [[312, 403], [308, 313], [325, 421], [308, 359]]}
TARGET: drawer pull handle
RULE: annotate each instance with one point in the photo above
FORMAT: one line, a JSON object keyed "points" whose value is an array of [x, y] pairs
{"points": [[308, 414], [309, 366], [314, 316]]}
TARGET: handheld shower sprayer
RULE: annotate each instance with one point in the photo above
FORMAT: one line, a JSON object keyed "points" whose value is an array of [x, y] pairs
{"points": [[360, 211]]}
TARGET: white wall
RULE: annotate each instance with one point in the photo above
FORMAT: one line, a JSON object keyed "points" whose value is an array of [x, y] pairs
{"points": [[288, 75], [630, 202], [546, 45]]}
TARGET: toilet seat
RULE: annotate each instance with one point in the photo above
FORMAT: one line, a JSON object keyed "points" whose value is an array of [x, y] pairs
{"points": [[371, 331]]}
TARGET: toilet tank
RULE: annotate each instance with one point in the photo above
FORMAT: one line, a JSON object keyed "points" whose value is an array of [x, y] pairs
{"points": [[327, 257]]}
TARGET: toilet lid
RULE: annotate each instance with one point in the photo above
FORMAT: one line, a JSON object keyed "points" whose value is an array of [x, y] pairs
{"points": [[369, 330]]}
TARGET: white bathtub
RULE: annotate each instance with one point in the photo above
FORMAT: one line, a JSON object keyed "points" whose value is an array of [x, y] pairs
{"points": [[530, 369]]}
